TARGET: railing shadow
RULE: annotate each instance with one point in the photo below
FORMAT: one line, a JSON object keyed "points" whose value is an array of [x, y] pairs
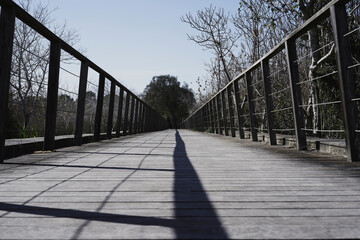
{"points": [[190, 222]]}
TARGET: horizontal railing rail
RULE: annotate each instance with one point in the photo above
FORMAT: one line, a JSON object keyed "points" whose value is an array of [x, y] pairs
{"points": [[136, 118], [217, 114]]}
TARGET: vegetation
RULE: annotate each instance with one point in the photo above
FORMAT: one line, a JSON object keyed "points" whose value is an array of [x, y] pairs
{"points": [[171, 100], [29, 72], [238, 40]]}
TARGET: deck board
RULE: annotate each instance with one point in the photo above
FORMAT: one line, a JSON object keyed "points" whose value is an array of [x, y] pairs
{"points": [[181, 184]]}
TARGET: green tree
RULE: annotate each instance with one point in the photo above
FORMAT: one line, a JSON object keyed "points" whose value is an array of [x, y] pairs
{"points": [[169, 98]]}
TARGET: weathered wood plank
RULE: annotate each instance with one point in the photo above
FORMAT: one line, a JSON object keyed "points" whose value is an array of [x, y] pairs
{"points": [[182, 184]]}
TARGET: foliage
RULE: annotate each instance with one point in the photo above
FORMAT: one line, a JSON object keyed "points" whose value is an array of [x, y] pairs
{"points": [[173, 101], [30, 65], [259, 27]]}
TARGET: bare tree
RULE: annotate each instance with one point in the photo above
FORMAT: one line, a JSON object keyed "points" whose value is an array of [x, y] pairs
{"points": [[215, 35], [262, 24], [258, 28], [30, 60]]}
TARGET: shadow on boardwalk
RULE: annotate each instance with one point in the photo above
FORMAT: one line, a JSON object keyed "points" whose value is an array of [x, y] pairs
{"points": [[186, 182], [188, 223]]}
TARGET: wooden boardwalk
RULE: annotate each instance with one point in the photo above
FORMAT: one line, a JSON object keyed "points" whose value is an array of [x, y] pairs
{"points": [[179, 185]]}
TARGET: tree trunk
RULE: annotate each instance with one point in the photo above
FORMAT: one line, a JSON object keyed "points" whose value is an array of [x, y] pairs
{"points": [[314, 88]]}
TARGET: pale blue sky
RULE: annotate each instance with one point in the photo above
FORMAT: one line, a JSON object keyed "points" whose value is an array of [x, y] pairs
{"points": [[135, 40]]}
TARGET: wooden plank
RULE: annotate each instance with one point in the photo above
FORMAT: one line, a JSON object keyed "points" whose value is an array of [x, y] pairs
{"points": [[52, 95], [231, 111], [140, 120], [216, 124], [131, 122], [120, 112], [193, 185], [211, 108], [111, 110], [80, 111], [7, 25], [151, 121], [347, 80], [306, 26], [126, 114], [143, 118], [238, 109], [218, 105], [99, 108], [296, 95], [136, 124], [251, 106], [268, 101], [224, 112], [146, 120], [205, 119]]}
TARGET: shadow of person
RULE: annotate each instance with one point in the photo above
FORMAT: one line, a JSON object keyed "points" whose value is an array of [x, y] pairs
{"points": [[195, 217]]}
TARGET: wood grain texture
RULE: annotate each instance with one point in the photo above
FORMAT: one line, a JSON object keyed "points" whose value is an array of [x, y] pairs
{"points": [[179, 184]]}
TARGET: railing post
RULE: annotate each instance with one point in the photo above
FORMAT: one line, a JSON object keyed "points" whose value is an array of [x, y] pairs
{"points": [[206, 118], [143, 118], [111, 110], [140, 117], [80, 112], [218, 113], [131, 123], [211, 109], [346, 79], [147, 122], [268, 101], [99, 107], [238, 109], [119, 114], [7, 26], [296, 94], [151, 120], [126, 114], [223, 104], [231, 111], [148, 119], [144, 130], [209, 116], [213, 100], [196, 119], [52, 95], [206, 110], [200, 122], [136, 116], [157, 122], [251, 105]]}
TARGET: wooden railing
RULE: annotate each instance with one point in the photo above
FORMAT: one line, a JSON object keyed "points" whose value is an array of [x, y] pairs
{"points": [[218, 114], [138, 116]]}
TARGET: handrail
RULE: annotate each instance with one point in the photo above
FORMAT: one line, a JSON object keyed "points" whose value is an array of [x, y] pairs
{"points": [[143, 118], [306, 26], [214, 115], [25, 17]]}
